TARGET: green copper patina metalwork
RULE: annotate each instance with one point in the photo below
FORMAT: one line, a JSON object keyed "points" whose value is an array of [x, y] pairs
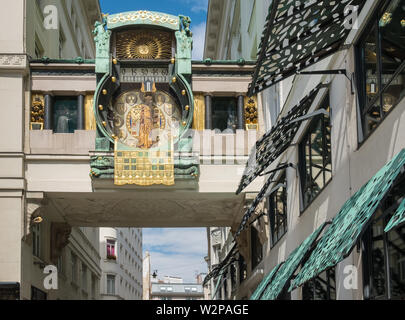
{"points": [[290, 266], [102, 40], [185, 168], [398, 218], [218, 285], [349, 224], [263, 285], [184, 47]]}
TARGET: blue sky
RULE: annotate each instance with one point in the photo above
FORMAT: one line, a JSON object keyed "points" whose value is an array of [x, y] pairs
{"points": [[195, 9], [174, 252], [177, 252]]}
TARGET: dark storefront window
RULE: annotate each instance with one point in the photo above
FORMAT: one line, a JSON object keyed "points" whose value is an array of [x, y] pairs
{"points": [[381, 68], [256, 248], [384, 252], [65, 115], [224, 119], [278, 211], [322, 287], [315, 157]]}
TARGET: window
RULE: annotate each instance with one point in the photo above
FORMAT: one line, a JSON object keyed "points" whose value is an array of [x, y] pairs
{"points": [[37, 294], [65, 114], [84, 277], [74, 268], [315, 160], [111, 285], [224, 118], [323, 287], [381, 69], [384, 253], [242, 269], [256, 247], [36, 240], [277, 206], [111, 250]]}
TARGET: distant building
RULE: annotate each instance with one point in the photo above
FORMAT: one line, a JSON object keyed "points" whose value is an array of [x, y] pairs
{"points": [[121, 263], [146, 276], [172, 288]]}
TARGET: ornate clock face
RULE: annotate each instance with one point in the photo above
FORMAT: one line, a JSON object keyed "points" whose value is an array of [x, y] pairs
{"points": [[146, 121]]}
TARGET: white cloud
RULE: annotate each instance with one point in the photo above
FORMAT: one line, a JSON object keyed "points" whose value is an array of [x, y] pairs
{"points": [[197, 5], [198, 41], [176, 252]]}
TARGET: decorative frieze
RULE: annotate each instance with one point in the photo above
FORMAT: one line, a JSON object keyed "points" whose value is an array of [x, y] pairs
{"points": [[13, 61]]}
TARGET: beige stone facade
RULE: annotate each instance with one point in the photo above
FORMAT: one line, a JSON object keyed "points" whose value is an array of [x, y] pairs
{"points": [[355, 160]]}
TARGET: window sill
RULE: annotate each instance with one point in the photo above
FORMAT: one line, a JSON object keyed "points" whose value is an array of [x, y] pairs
{"points": [[278, 241]]}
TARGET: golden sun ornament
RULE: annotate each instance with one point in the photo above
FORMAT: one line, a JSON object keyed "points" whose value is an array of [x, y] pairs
{"points": [[144, 45]]}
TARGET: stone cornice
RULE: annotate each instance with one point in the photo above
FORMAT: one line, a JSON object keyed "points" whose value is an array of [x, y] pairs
{"points": [[13, 62]]}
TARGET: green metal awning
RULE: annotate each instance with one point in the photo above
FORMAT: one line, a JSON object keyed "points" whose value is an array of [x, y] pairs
{"points": [[277, 140], [218, 285], [398, 218], [299, 33], [265, 282], [290, 266], [350, 223]]}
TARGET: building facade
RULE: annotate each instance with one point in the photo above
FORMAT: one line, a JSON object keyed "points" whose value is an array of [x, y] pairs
{"points": [[175, 289], [136, 138], [33, 241], [121, 263], [327, 224]]}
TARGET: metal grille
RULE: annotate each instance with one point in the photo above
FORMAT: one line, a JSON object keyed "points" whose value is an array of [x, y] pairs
{"points": [[276, 141], [349, 224], [263, 285], [286, 271], [298, 34]]}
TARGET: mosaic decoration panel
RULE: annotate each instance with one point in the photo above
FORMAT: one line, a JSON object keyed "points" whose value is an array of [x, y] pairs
{"points": [[286, 271], [144, 168], [348, 225], [398, 218], [276, 141], [263, 285], [298, 34]]}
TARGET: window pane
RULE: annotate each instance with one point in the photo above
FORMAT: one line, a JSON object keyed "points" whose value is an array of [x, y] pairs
{"points": [[371, 64], [224, 114], [392, 39], [396, 250], [393, 53], [378, 262], [65, 115], [394, 93], [315, 157]]}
